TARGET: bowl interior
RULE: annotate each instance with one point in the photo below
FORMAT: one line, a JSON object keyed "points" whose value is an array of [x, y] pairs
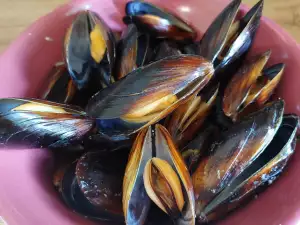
{"points": [[25, 173]]}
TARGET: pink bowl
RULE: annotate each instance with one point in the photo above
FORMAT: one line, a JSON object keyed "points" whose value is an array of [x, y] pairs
{"points": [[26, 192]]}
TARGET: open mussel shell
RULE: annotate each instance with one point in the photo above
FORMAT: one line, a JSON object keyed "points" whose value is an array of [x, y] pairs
{"points": [[148, 94], [100, 179], [272, 76], [165, 49], [239, 88], [157, 22], [166, 150], [214, 39], [240, 38], [136, 203], [262, 172], [156, 171], [234, 152], [59, 87], [40, 123], [265, 85], [89, 47], [188, 118], [226, 41]]}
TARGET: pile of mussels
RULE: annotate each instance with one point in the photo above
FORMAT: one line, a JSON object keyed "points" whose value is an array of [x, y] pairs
{"points": [[174, 131]]}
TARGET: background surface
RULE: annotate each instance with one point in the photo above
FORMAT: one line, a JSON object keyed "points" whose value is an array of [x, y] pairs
{"points": [[16, 15]]}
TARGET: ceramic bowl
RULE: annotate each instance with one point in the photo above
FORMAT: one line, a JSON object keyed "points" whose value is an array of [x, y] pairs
{"points": [[26, 192]]}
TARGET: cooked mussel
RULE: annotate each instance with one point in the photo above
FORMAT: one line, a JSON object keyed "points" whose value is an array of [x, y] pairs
{"points": [[251, 83], [187, 119], [89, 50], [226, 40], [41, 124], [265, 84], [263, 171], [92, 189], [234, 153], [148, 94], [158, 22], [66, 183], [156, 171], [59, 87], [132, 51], [101, 183]]}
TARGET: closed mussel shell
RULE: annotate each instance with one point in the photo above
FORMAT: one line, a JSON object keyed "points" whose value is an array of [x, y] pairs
{"points": [[40, 123], [157, 22], [74, 198], [235, 151], [89, 45], [127, 52], [59, 87], [261, 173], [148, 94], [101, 183]]}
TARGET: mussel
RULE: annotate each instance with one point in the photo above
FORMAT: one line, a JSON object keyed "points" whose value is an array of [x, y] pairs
{"points": [[92, 187], [148, 94], [226, 41], [156, 171], [174, 131], [157, 22], [251, 83], [89, 50], [41, 124], [260, 144], [59, 87], [132, 51], [187, 119]]}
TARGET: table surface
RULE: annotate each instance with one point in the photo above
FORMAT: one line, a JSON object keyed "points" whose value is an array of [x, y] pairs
{"points": [[16, 15]]}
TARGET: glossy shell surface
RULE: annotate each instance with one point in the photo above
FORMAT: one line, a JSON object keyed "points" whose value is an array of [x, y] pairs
{"points": [[22, 66]]}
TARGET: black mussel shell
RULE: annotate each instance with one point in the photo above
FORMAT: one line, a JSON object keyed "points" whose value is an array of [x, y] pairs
{"points": [[40, 123], [157, 22], [214, 39], [260, 174], [234, 54], [147, 94], [127, 52], [75, 199], [234, 152], [226, 42], [89, 44], [144, 51], [59, 87], [100, 178]]}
